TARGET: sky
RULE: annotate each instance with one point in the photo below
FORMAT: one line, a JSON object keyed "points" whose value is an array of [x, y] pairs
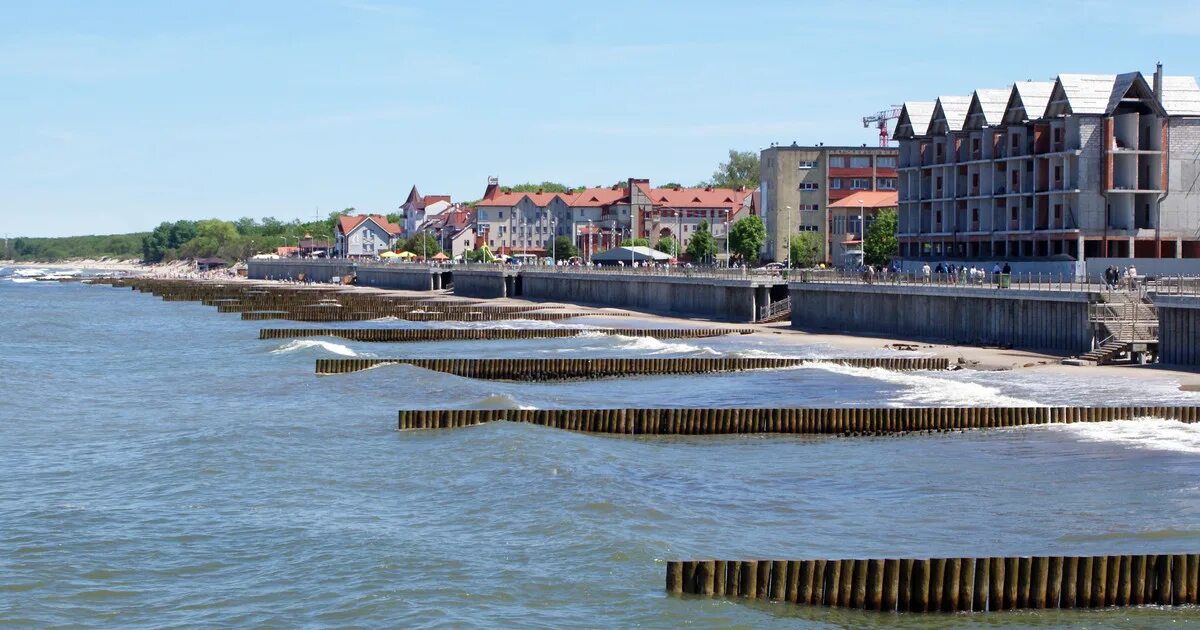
{"points": [[116, 116]]}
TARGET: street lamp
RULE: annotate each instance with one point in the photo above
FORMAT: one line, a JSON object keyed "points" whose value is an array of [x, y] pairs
{"points": [[590, 247], [862, 234], [788, 243]]}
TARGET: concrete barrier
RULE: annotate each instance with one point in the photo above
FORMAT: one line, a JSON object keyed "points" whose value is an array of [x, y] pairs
{"points": [[1178, 329], [563, 369], [731, 299], [1047, 320], [925, 585], [487, 334], [804, 420]]}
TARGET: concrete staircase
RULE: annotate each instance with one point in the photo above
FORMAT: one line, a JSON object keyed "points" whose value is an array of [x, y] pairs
{"points": [[776, 311], [1125, 320]]}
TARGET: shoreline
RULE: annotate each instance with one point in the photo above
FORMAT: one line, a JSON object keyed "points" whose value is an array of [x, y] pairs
{"points": [[978, 358]]}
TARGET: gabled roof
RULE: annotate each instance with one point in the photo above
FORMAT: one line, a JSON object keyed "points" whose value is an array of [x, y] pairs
{"points": [[508, 199], [597, 197], [414, 199], [346, 225], [950, 112], [698, 197], [1080, 94], [429, 200], [987, 107], [914, 119], [1027, 101], [869, 199], [1181, 96]]}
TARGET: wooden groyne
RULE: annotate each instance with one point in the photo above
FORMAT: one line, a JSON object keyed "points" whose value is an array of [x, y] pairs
{"points": [[561, 369], [816, 420], [258, 302], [489, 334], [948, 584]]}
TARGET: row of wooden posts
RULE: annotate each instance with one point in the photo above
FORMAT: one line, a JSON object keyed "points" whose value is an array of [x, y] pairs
{"points": [[562, 369], [816, 420], [488, 334], [260, 302], [949, 584]]}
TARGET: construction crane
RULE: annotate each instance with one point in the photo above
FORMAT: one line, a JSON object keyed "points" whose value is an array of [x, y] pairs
{"points": [[881, 119]]}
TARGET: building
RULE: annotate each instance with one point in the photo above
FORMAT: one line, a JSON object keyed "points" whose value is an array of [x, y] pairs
{"points": [[1085, 166], [364, 236], [454, 230], [417, 208], [598, 218], [799, 183], [850, 218]]}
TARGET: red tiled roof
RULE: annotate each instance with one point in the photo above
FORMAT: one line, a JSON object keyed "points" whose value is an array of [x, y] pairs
{"points": [[348, 224], [869, 199], [698, 197], [428, 199], [506, 199]]}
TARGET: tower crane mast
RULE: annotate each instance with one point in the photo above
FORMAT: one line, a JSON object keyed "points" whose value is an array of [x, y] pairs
{"points": [[881, 119]]}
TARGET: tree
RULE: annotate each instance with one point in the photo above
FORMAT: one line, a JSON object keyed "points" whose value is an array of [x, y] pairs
{"points": [[395, 218], [667, 245], [636, 242], [561, 248], [550, 187], [672, 185], [805, 249], [219, 231], [422, 244], [702, 246], [746, 238], [742, 169], [880, 244]]}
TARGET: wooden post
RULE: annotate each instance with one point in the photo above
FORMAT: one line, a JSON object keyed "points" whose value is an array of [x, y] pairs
{"points": [[1041, 577], [891, 585], [920, 588], [904, 598], [1054, 582], [982, 581], [674, 576], [997, 587]]}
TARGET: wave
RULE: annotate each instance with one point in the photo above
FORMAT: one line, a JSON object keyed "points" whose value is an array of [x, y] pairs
{"points": [[22, 280], [499, 401], [653, 346], [30, 273], [1144, 433], [923, 389], [308, 344]]}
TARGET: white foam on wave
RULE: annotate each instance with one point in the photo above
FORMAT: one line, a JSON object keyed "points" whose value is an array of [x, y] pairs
{"points": [[309, 344], [650, 345], [29, 273], [1144, 433], [22, 280], [927, 389], [500, 401]]}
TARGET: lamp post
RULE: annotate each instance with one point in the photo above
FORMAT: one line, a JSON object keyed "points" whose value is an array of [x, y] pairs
{"points": [[726, 237], [590, 248], [788, 243], [862, 234]]}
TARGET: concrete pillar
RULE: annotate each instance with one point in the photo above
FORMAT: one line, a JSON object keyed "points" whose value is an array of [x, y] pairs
{"points": [[1179, 248], [1130, 240]]}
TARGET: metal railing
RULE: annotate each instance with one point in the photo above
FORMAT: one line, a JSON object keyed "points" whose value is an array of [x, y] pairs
{"points": [[1176, 285], [775, 309], [1029, 281]]}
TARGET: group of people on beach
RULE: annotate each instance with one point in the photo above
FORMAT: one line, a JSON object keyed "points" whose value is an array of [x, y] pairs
{"points": [[1120, 278]]}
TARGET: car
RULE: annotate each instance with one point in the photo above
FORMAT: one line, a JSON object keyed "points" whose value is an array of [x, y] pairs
{"points": [[775, 266]]}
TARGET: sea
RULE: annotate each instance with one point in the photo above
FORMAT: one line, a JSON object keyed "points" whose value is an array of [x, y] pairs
{"points": [[163, 467]]}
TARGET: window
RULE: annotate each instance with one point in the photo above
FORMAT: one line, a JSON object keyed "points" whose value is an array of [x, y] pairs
{"points": [[809, 185], [860, 184], [501, 215], [835, 184], [886, 183], [860, 161], [837, 161], [806, 164], [809, 207], [809, 228], [839, 224], [885, 162]]}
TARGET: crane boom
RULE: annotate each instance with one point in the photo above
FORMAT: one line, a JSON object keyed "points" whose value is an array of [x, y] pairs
{"points": [[881, 119]]}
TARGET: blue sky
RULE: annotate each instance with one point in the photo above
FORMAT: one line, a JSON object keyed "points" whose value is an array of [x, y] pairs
{"points": [[120, 115]]}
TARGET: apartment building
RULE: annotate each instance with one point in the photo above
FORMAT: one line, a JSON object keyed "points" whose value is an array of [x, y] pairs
{"points": [[1085, 166], [597, 218], [799, 183]]}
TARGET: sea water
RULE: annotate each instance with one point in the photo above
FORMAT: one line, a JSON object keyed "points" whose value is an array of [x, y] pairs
{"points": [[163, 467]]}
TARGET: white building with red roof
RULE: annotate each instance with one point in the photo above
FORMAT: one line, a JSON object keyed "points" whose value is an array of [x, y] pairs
{"points": [[599, 218], [417, 208], [364, 236]]}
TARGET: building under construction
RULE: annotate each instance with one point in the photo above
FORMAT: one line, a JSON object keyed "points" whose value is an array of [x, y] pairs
{"points": [[1085, 166]]}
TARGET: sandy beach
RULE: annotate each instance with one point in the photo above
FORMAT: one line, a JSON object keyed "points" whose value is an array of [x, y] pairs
{"points": [[965, 356]]}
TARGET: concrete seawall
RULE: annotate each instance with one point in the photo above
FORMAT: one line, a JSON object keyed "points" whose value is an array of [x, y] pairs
{"points": [[1046, 320], [407, 277], [1178, 329], [731, 299], [484, 283]]}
